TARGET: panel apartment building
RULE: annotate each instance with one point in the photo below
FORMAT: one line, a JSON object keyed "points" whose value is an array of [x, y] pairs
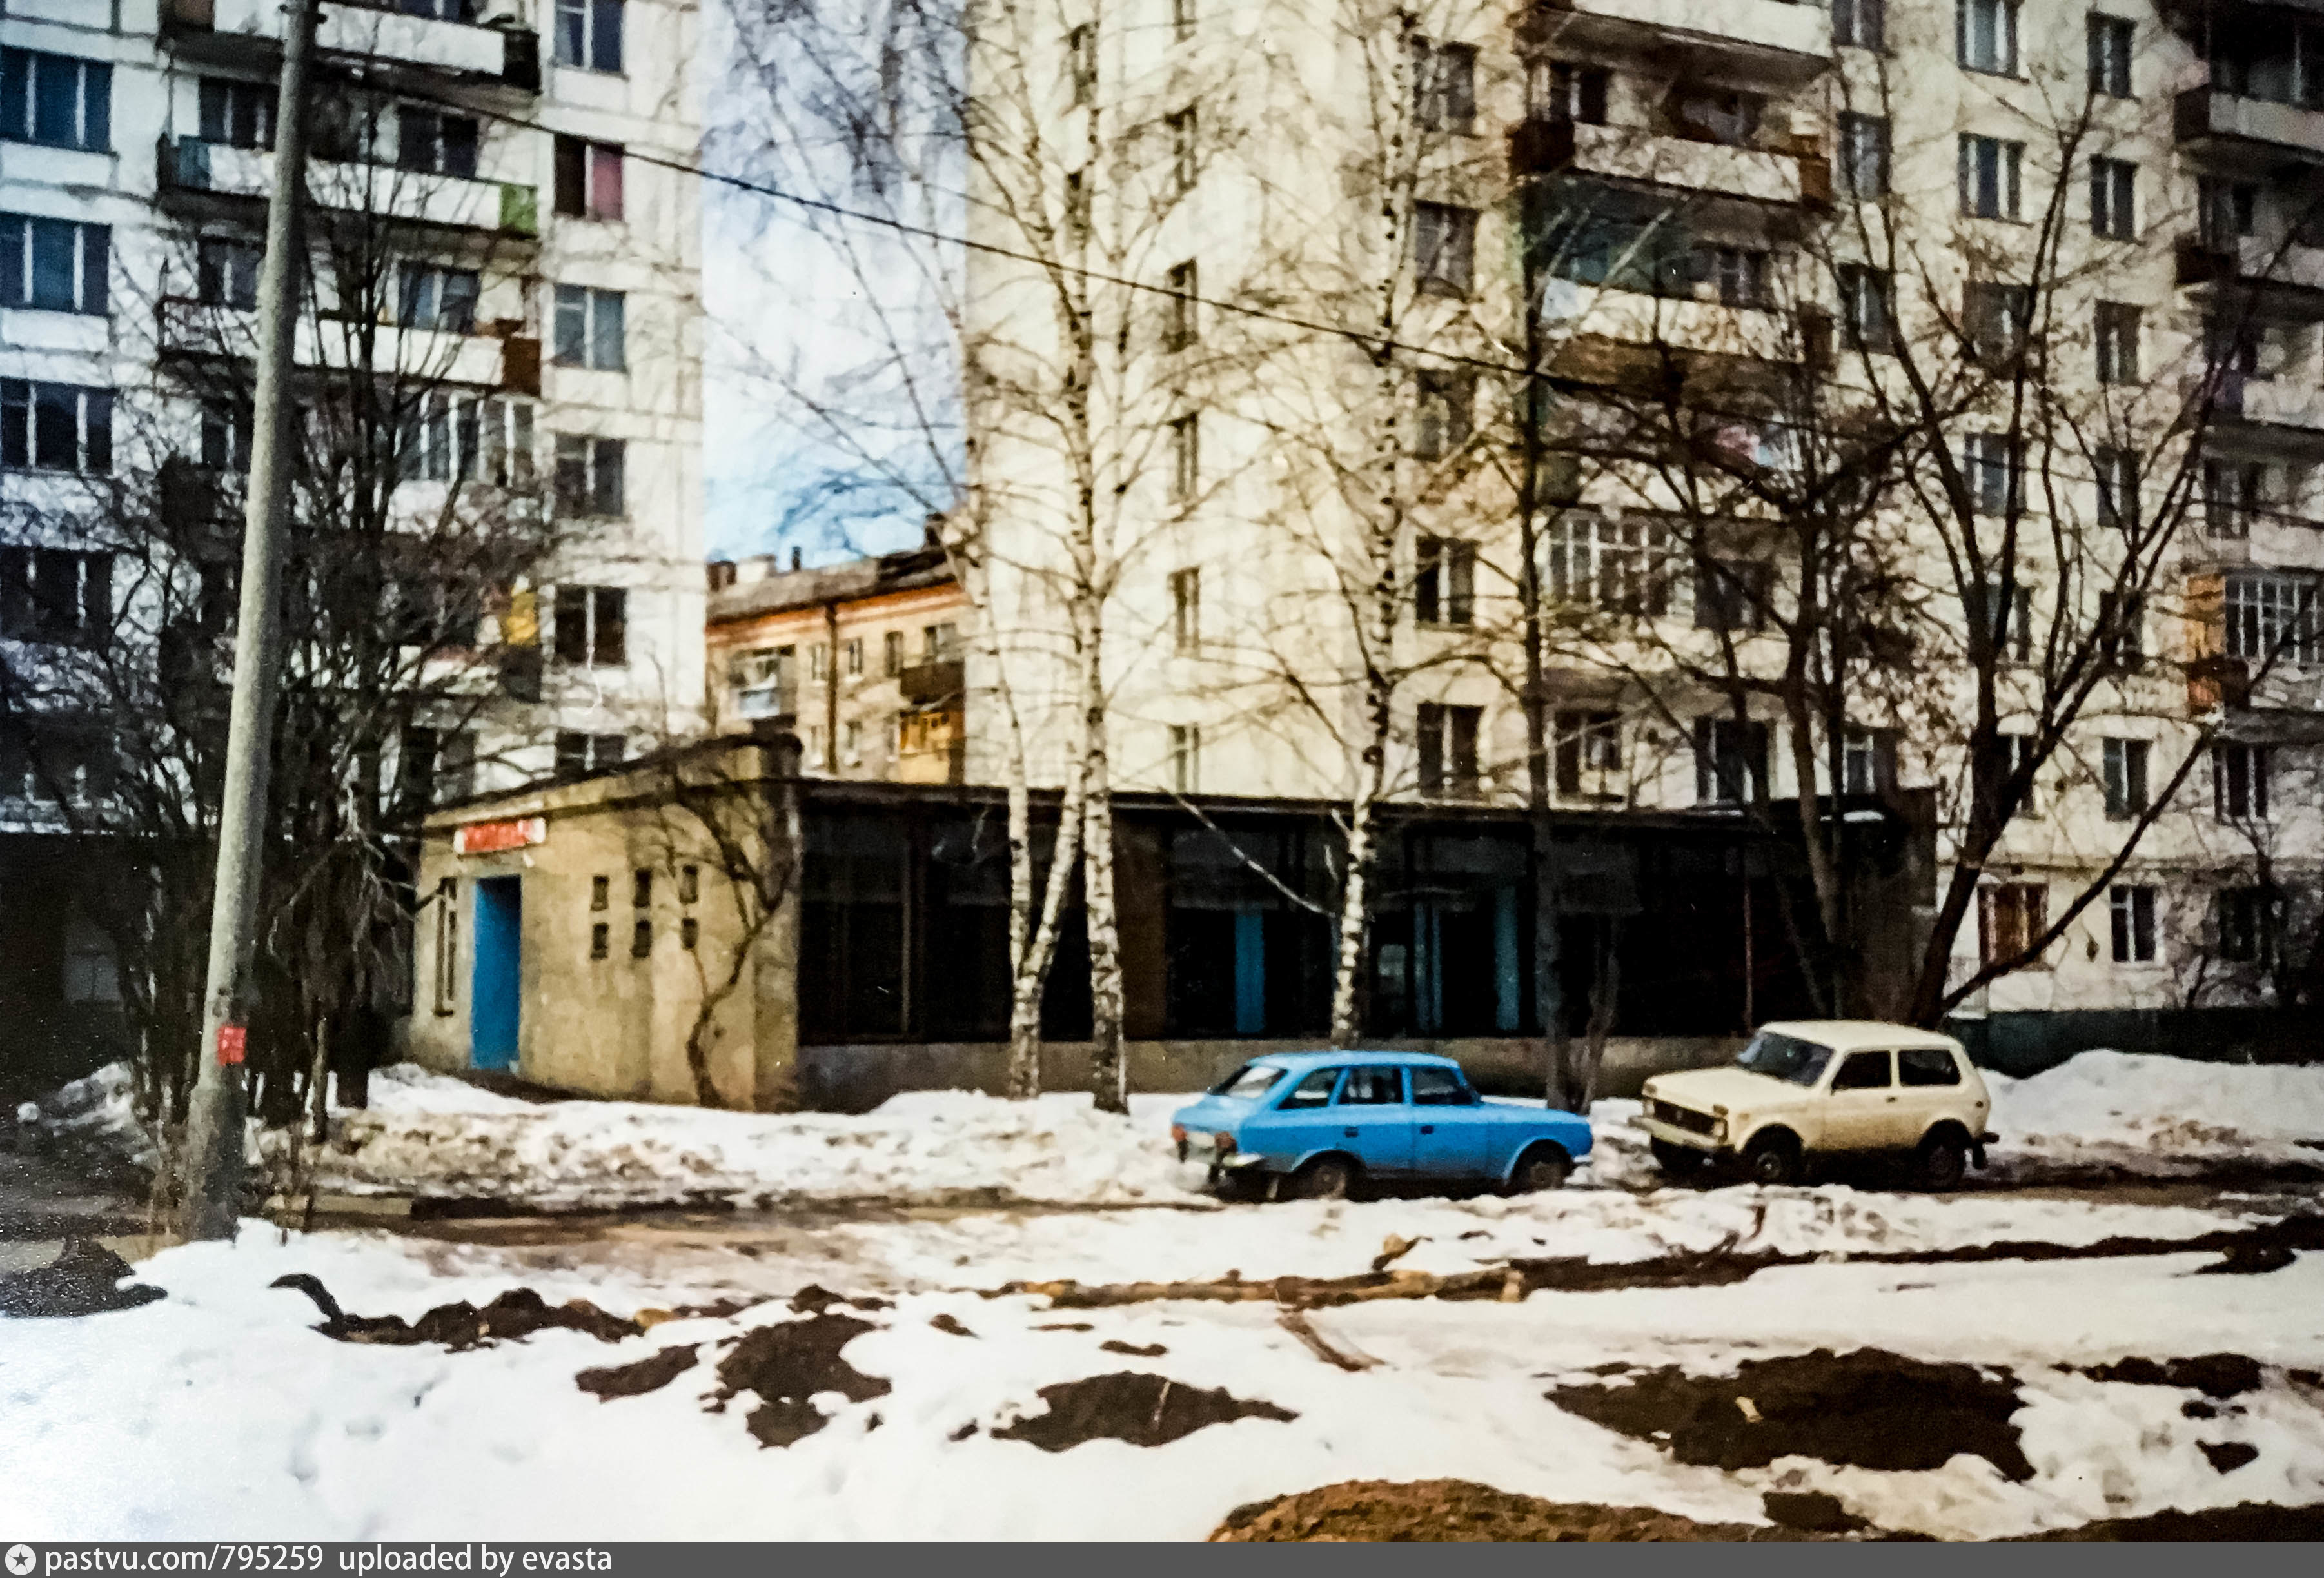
{"points": [[2036, 282], [528, 159]]}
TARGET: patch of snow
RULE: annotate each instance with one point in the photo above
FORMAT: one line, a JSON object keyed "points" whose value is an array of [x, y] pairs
{"points": [[2148, 1113]]}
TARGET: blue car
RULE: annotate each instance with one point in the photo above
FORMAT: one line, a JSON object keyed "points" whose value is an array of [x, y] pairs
{"points": [[1326, 1122]]}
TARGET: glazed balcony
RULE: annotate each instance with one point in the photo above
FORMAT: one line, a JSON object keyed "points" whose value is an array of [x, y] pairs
{"points": [[1777, 43], [437, 38], [1542, 145]]}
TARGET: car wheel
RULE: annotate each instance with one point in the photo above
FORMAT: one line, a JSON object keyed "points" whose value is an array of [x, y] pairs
{"points": [[1678, 1161], [1544, 1167], [1943, 1160], [1772, 1161], [1327, 1177]]}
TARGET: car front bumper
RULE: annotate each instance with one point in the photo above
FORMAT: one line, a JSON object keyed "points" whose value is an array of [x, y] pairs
{"points": [[1712, 1144]]}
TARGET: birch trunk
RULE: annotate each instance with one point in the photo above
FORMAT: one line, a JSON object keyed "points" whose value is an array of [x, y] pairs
{"points": [[1032, 945], [1108, 1073]]}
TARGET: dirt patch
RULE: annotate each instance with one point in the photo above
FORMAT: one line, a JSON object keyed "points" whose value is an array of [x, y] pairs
{"points": [[2215, 1375], [2250, 1259], [815, 1300], [517, 1312], [947, 1325], [635, 1380], [1463, 1511], [1135, 1350], [1868, 1409], [83, 1279], [1810, 1512], [2248, 1520], [2226, 1456], [1145, 1410], [785, 1365]]}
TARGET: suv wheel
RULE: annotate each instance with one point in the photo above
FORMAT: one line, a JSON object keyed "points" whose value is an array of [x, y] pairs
{"points": [[1327, 1177], [1943, 1160], [1544, 1167], [1772, 1160]]}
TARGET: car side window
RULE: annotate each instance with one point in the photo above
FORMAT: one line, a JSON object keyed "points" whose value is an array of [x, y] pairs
{"points": [[1315, 1090], [1373, 1087], [1926, 1065], [1863, 1071], [1439, 1087]]}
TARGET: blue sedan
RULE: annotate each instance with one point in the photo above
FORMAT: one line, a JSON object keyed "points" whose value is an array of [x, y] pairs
{"points": [[1328, 1120]]}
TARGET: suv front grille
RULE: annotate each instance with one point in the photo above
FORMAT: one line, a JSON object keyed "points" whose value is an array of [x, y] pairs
{"points": [[1682, 1118]]}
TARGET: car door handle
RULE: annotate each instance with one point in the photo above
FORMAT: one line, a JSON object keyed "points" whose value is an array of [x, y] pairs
{"points": [[1349, 1132], [1428, 1128]]}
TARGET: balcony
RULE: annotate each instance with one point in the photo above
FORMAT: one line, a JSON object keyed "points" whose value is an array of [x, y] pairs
{"points": [[2250, 130], [195, 174], [755, 702], [1779, 44], [244, 31], [1542, 146], [2273, 416], [480, 361], [936, 683], [2287, 281]]}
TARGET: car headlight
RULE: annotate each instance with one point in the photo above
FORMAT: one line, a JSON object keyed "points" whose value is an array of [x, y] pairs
{"points": [[1223, 1140], [1719, 1129], [1177, 1134]]}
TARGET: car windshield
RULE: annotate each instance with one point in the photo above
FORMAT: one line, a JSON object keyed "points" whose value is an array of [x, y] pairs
{"points": [[1251, 1081], [1784, 1057]]}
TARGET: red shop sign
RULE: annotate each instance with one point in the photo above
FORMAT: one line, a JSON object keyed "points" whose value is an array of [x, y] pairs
{"points": [[492, 837]]}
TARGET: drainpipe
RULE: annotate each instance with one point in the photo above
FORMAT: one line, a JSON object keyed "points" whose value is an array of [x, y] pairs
{"points": [[831, 686]]}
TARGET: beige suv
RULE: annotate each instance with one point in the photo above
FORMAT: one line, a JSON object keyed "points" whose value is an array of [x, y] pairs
{"points": [[1818, 1087]]}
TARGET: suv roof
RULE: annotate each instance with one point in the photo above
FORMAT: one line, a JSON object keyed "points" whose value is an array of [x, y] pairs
{"points": [[1846, 1035]]}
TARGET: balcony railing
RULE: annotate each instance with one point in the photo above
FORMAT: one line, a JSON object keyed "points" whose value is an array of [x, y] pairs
{"points": [[477, 360], [510, 209], [2200, 116], [767, 701], [933, 683], [2289, 273], [403, 35], [1776, 40], [1541, 145]]}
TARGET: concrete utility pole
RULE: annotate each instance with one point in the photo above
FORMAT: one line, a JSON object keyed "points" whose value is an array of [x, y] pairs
{"points": [[214, 1161]]}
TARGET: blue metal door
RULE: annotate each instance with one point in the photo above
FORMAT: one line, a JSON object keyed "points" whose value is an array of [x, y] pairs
{"points": [[498, 981]]}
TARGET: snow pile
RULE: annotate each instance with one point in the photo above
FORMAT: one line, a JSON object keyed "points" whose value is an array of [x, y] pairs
{"points": [[427, 1134], [94, 1117], [2160, 1114]]}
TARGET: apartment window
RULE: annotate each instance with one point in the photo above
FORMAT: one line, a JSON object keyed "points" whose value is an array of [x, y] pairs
{"points": [[2117, 475], [2114, 193], [1740, 275], [940, 643], [1616, 564], [1731, 595], [1445, 581], [1178, 329], [1731, 761], [1186, 610], [506, 429], [2122, 631], [892, 653], [580, 753], [1445, 242], [2110, 40], [2132, 911], [2124, 763], [818, 663], [1186, 458], [2239, 782], [1445, 411], [432, 767], [55, 427], [2117, 335], [593, 626], [1586, 746], [226, 436], [53, 266], [600, 934], [1868, 761], [853, 655], [1986, 35], [2231, 344], [588, 178], [440, 440], [1080, 64], [1866, 303], [1995, 317], [58, 101], [1861, 24], [589, 35], [225, 271], [2246, 925], [1562, 91], [434, 142], [2007, 617], [55, 596], [2226, 211], [2014, 755], [1185, 757], [1182, 19], [590, 476], [1444, 86], [1988, 176], [851, 743], [2011, 918], [1184, 162], [1448, 750], [428, 296], [1863, 154], [591, 330], [1990, 463], [239, 114], [2273, 618], [2232, 492]]}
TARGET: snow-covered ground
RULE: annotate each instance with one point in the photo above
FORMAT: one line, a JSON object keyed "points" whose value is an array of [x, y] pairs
{"points": [[428, 1134], [217, 1412]]}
